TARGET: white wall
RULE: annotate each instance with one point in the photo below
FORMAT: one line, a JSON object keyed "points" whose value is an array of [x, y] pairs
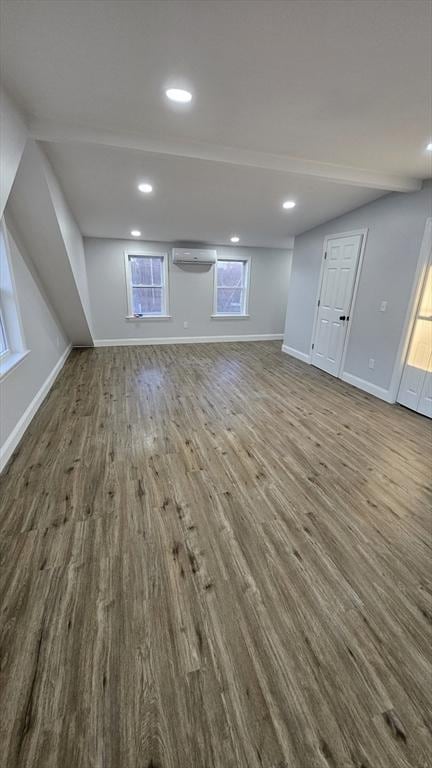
{"points": [[70, 232], [37, 202], [191, 294], [13, 136], [43, 336], [53, 241], [395, 225]]}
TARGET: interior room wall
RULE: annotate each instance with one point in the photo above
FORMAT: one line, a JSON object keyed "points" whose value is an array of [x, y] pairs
{"points": [[53, 241], [395, 225], [191, 294], [13, 137], [22, 389], [70, 233]]}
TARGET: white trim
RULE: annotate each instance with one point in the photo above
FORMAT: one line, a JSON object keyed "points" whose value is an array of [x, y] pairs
{"points": [[13, 326], [3, 335], [353, 233], [11, 442], [229, 317], [367, 386], [303, 356], [246, 287], [137, 251], [419, 276], [9, 362], [139, 318], [186, 340]]}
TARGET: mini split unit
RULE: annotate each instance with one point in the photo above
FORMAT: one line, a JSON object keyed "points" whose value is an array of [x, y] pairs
{"points": [[194, 256]]}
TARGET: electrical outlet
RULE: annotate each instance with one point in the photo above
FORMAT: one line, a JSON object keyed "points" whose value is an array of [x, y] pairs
{"points": [[186, 324], [383, 306], [371, 362]]}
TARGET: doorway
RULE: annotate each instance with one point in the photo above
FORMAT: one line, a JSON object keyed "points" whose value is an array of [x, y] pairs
{"points": [[340, 269]]}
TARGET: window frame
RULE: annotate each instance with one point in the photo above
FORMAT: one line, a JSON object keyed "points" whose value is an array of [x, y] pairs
{"points": [[246, 261], [4, 336], [164, 286], [10, 314]]}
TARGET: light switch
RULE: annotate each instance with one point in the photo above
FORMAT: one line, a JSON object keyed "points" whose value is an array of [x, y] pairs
{"points": [[383, 306]]}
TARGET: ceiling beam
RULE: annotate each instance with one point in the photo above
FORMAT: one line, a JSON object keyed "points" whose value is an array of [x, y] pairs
{"points": [[52, 131]]}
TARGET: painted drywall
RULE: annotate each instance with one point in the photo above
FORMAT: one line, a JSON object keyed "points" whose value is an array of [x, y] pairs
{"points": [[70, 232], [13, 139], [13, 136], [395, 225], [191, 294], [42, 216], [43, 336]]}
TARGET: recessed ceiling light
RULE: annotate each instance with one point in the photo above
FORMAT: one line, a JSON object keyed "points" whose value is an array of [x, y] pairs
{"points": [[235, 239], [288, 204], [429, 147], [145, 187], [179, 95], [135, 233]]}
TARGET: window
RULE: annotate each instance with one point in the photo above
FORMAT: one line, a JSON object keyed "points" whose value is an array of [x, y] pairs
{"points": [[4, 349], [12, 347], [231, 287], [147, 280]]}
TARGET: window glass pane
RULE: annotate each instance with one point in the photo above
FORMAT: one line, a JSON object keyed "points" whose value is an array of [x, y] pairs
{"points": [[147, 301], [146, 270], [3, 343], [230, 300], [230, 273]]}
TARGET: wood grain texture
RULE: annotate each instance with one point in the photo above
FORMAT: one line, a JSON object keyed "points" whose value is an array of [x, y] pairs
{"points": [[215, 557]]}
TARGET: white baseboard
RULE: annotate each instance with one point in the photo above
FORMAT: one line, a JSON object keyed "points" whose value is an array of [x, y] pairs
{"points": [[11, 442], [296, 353], [186, 340], [367, 386], [355, 381]]}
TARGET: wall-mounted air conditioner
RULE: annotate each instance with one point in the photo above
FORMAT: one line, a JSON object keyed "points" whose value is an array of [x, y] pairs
{"points": [[194, 256]]}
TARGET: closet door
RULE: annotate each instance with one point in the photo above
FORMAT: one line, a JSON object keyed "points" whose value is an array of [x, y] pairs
{"points": [[334, 305]]}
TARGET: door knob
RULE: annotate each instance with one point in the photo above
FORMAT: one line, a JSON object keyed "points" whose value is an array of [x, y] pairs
{"points": [[342, 317]]}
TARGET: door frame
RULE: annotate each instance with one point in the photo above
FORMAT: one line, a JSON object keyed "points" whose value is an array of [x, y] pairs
{"points": [[411, 313], [363, 232]]}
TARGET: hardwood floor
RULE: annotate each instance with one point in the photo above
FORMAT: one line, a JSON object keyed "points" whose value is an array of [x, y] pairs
{"points": [[215, 556]]}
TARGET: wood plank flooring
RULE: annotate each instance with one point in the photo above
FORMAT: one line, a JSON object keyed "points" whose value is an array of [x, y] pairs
{"points": [[215, 556]]}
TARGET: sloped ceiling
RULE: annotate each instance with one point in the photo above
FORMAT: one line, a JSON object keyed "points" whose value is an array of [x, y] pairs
{"points": [[31, 206]]}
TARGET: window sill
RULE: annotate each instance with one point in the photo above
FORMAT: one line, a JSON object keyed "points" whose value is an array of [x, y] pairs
{"points": [[8, 363], [229, 317], [135, 319]]}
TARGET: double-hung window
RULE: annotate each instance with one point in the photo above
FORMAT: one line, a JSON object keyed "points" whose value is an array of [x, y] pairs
{"points": [[231, 288], [147, 285]]}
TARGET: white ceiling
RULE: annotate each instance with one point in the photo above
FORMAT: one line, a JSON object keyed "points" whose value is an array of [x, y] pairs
{"points": [[193, 199], [330, 89]]}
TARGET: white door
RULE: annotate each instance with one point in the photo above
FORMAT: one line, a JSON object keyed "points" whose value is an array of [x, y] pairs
{"points": [[415, 390], [334, 305]]}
